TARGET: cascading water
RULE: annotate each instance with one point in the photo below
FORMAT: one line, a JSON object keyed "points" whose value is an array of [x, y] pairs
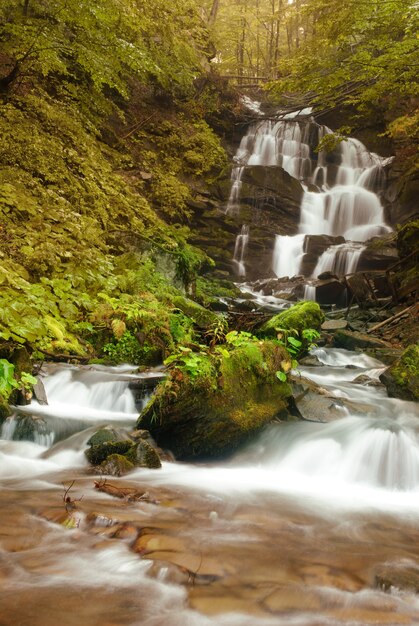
{"points": [[288, 533], [240, 250], [80, 397], [346, 202], [337, 260]]}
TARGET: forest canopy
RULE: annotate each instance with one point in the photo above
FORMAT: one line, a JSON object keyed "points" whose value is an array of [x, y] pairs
{"points": [[362, 53]]}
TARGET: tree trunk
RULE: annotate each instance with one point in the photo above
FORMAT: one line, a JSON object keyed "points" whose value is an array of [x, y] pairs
{"points": [[213, 12]]}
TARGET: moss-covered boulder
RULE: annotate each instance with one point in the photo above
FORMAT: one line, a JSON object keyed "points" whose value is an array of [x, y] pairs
{"points": [[215, 401], [299, 317], [105, 435], [402, 378], [202, 317], [116, 465]]}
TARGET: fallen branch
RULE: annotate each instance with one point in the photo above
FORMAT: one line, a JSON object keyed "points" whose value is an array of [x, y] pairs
{"points": [[391, 319]]}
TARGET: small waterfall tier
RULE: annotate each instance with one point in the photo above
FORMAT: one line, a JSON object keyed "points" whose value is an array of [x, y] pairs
{"points": [[240, 250], [79, 397], [341, 196]]}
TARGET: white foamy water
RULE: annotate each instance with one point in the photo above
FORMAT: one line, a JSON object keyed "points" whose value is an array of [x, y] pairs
{"points": [[285, 506], [345, 204]]}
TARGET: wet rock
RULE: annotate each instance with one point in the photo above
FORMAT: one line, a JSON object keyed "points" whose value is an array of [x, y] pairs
{"points": [[315, 403], [310, 360], [32, 428], [402, 378], [272, 182], [39, 392], [403, 578], [142, 454], [116, 465], [99, 453], [332, 325], [365, 380], [355, 341], [106, 434], [330, 291]]}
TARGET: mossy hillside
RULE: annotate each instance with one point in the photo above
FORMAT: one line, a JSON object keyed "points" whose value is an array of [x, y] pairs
{"points": [[63, 193], [229, 395], [101, 148]]}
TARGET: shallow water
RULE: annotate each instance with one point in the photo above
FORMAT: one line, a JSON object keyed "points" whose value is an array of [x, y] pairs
{"points": [[291, 532]]}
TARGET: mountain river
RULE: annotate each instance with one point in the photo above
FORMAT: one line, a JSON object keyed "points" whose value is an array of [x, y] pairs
{"points": [[296, 530]]}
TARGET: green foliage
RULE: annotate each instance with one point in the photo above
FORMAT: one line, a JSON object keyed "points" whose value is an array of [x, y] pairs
{"points": [[406, 371], [361, 54], [69, 39], [193, 364], [8, 381], [126, 349]]}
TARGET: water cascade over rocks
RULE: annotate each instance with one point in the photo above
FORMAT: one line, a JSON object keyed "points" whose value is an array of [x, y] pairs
{"points": [[81, 397], [341, 199], [293, 531], [240, 250]]}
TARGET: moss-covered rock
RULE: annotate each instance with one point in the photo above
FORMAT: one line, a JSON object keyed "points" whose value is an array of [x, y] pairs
{"points": [[202, 317], [116, 465], [402, 378], [299, 317], [97, 454], [5, 410], [143, 454], [352, 340], [105, 435], [211, 412]]}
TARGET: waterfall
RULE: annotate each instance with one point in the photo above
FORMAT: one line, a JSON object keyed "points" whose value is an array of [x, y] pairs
{"points": [[340, 260], [79, 397], [240, 250], [288, 252], [340, 192]]}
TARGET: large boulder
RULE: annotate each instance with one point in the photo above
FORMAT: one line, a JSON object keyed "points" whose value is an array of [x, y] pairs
{"points": [[210, 411], [402, 378], [299, 317]]}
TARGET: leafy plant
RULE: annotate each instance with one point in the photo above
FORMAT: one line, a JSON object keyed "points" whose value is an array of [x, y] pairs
{"points": [[8, 382], [193, 363]]}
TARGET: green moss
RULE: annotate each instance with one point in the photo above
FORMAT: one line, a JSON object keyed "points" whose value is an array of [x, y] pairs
{"points": [[231, 398], [299, 317], [202, 317], [406, 371], [408, 238], [142, 454], [5, 410], [116, 465], [98, 453]]}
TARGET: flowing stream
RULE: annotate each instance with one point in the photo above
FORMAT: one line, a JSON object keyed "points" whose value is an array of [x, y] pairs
{"points": [[291, 532]]}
